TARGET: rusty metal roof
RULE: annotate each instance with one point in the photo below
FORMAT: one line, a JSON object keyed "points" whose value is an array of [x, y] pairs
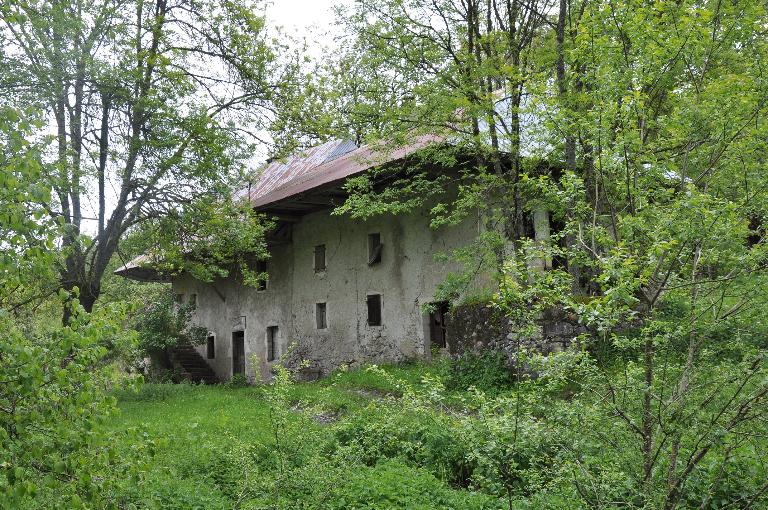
{"points": [[278, 173], [142, 269], [330, 162], [280, 184]]}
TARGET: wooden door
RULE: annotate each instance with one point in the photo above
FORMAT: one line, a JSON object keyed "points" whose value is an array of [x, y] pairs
{"points": [[437, 333], [238, 352]]}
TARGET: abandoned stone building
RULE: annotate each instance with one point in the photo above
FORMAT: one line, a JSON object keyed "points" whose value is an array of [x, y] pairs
{"points": [[340, 291]]}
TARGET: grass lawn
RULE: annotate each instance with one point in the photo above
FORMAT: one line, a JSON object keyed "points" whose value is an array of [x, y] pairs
{"points": [[220, 447]]}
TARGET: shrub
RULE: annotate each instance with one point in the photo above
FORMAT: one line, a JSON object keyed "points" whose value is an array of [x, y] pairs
{"points": [[488, 371], [423, 438], [162, 323], [237, 381], [392, 484], [54, 452]]}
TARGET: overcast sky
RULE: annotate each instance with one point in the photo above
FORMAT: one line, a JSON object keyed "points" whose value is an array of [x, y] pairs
{"points": [[310, 19]]}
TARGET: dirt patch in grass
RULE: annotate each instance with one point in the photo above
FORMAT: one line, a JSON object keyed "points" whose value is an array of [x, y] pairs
{"points": [[374, 394], [317, 415]]}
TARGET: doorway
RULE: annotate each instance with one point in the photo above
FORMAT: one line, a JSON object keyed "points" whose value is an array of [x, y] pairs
{"points": [[238, 352], [437, 330]]}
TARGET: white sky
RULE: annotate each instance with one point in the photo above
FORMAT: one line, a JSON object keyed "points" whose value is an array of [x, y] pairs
{"points": [[312, 20]]}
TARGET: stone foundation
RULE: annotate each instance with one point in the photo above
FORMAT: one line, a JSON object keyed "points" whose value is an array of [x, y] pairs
{"points": [[478, 327], [311, 360]]}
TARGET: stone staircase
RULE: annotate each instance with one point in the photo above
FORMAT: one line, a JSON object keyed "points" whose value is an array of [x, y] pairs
{"points": [[192, 366]]}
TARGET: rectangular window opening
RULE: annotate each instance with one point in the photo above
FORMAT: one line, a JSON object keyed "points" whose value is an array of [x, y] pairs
{"points": [[320, 315], [320, 258], [261, 269], [178, 298], [193, 301], [271, 343], [374, 248], [210, 347], [374, 309]]}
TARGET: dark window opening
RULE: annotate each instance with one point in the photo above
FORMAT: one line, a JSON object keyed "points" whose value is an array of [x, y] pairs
{"points": [[374, 309], [261, 269], [528, 226], [556, 227], [271, 343], [320, 316], [320, 257], [210, 347], [374, 248], [193, 301], [756, 231], [178, 298], [437, 328], [238, 352]]}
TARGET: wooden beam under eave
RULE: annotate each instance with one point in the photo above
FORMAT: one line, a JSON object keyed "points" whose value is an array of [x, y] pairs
{"points": [[287, 218]]}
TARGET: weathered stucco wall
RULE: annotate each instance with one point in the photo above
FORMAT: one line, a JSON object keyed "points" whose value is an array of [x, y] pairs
{"points": [[406, 278]]}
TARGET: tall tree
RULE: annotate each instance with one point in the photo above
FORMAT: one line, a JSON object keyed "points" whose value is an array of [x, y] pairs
{"points": [[670, 210], [652, 124], [149, 103], [457, 69]]}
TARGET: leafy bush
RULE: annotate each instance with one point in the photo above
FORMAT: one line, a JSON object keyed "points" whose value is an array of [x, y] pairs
{"points": [[487, 371], [54, 452], [237, 381], [420, 437], [162, 323], [393, 484]]}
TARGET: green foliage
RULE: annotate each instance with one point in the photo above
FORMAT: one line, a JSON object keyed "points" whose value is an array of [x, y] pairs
{"points": [[548, 443], [27, 232], [488, 372], [54, 451], [162, 323], [210, 238], [390, 484], [238, 381]]}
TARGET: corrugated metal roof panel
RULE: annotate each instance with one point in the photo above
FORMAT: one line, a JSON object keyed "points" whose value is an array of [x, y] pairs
{"points": [[280, 172], [341, 149], [302, 177]]}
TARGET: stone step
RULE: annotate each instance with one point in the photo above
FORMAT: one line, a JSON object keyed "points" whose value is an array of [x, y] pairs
{"points": [[192, 365]]}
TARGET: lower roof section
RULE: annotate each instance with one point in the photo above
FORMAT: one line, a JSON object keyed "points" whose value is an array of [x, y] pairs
{"points": [[141, 269]]}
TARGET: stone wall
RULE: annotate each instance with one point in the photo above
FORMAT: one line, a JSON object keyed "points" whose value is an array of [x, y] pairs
{"points": [[478, 327]]}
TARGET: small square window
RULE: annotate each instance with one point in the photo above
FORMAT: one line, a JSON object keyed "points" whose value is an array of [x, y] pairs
{"points": [[373, 302], [271, 343], [320, 258], [178, 298], [261, 269], [320, 315], [374, 248], [210, 348]]}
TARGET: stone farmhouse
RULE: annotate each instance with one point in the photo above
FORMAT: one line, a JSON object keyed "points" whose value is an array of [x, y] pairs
{"points": [[340, 291]]}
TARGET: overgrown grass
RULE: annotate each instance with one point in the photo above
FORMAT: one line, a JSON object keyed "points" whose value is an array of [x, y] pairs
{"points": [[212, 441], [396, 437]]}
